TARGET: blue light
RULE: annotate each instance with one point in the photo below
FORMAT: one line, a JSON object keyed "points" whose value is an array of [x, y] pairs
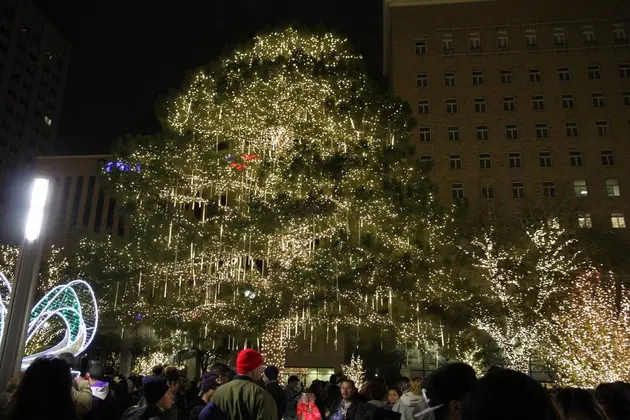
{"points": [[121, 166]]}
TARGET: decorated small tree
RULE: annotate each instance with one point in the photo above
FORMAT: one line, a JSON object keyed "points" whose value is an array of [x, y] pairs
{"points": [[355, 371]]}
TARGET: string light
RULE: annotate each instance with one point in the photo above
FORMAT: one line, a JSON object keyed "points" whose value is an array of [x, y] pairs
{"points": [[355, 371]]}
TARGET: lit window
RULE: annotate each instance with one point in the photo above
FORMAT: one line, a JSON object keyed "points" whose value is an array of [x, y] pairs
{"points": [[588, 32], [584, 220], [456, 161], [598, 99], [506, 77], [564, 74], [572, 129], [579, 187], [603, 128], [594, 72], [457, 191], [475, 41], [482, 132], [545, 159], [549, 189], [447, 43], [47, 120], [511, 131], [559, 36], [503, 40], [480, 104], [453, 133], [626, 98], [425, 134], [487, 192], [619, 33], [542, 132], [538, 102], [617, 220], [449, 79], [518, 190], [612, 188], [624, 71], [608, 157], [515, 160], [423, 107], [421, 47], [576, 158], [484, 161], [422, 80], [509, 104], [535, 76], [531, 40], [451, 106], [568, 101], [477, 77]]}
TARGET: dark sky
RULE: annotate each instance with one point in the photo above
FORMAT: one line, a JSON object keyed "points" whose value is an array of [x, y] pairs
{"points": [[127, 53]]}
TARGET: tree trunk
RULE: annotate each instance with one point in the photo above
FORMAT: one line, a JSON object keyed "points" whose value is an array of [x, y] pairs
{"points": [[274, 345]]}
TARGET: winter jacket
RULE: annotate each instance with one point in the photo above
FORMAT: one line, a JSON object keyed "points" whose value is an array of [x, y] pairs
{"points": [[104, 405], [277, 393], [81, 397], [242, 399], [407, 403]]}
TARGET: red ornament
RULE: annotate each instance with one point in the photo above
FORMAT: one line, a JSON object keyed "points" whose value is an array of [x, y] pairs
{"points": [[250, 157]]}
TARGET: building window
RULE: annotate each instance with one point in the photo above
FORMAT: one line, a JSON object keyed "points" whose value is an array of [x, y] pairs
{"points": [[564, 74], [480, 104], [598, 99], [549, 189], [506, 77], [559, 36], [457, 191], [515, 160], [594, 72], [545, 159], [617, 220], [612, 188], [568, 101], [447, 43], [531, 40], [576, 158], [542, 132], [626, 98], [484, 161], [572, 129], [608, 157], [482, 132], [449, 79], [456, 161], [588, 32], [580, 189], [47, 120], [422, 80], [475, 41], [509, 104], [619, 33], [453, 133], [511, 131], [584, 220], [624, 71], [451, 106], [426, 158], [487, 192], [477, 77], [423, 107], [425, 134], [503, 40], [535, 76], [603, 128], [518, 190], [421, 47], [538, 102]]}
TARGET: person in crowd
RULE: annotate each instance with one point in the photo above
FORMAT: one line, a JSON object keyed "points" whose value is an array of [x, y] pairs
{"points": [[241, 398], [223, 372], [376, 393], [81, 394], [410, 401], [333, 392], [346, 408], [208, 385], [158, 400], [6, 396], [103, 401], [292, 392], [270, 378], [502, 394], [174, 381], [317, 389], [307, 408], [158, 370], [44, 392], [444, 391], [579, 404], [615, 399], [393, 395]]}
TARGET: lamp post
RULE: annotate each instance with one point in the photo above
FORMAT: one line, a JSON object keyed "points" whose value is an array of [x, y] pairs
{"points": [[22, 296]]}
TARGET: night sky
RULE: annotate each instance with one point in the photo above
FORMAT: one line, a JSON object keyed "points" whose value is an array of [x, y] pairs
{"points": [[128, 53]]}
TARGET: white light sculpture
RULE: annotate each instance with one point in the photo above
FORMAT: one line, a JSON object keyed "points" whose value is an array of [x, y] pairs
{"points": [[74, 303]]}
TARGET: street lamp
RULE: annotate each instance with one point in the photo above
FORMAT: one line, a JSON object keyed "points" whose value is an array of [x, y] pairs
{"points": [[22, 296]]}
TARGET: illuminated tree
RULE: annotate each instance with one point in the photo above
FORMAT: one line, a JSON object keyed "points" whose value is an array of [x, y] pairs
{"points": [[355, 371], [588, 339], [282, 198]]}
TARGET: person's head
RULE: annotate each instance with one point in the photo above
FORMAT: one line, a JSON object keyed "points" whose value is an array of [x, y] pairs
{"points": [[615, 399], [173, 378], [96, 373], [404, 384], [44, 392], [445, 389], [208, 385], [157, 370], [293, 380], [157, 392], [393, 394], [223, 372], [376, 391], [317, 387], [580, 404], [333, 379], [506, 393], [347, 389], [249, 363], [416, 386], [271, 374]]}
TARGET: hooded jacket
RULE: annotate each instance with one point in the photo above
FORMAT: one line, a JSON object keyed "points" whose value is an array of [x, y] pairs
{"points": [[407, 403], [103, 402], [242, 399]]}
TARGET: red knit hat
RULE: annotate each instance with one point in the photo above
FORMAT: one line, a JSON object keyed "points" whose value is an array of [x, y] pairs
{"points": [[248, 360]]}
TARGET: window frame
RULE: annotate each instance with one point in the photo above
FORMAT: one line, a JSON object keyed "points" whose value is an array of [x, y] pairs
{"points": [[514, 160], [542, 130], [485, 161], [518, 189], [453, 133], [603, 127], [594, 72], [455, 161], [449, 78], [505, 77], [483, 132], [564, 74], [425, 134], [451, 106], [535, 75], [608, 157], [584, 220], [612, 187], [422, 103], [544, 158], [422, 80], [538, 102], [549, 189], [511, 132], [580, 188], [420, 47], [481, 104], [509, 103], [457, 191], [477, 77], [568, 101], [617, 220], [572, 129], [576, 158], [598, 99]]}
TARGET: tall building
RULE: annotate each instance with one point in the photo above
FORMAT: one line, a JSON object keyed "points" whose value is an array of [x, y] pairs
{"points": [[519, 103]]}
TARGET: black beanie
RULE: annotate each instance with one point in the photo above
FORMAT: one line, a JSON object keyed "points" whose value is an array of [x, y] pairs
{"points": [[154, 388]]}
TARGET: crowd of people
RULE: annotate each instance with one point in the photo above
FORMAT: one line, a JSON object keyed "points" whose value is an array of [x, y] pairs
{"points": [[47, 390]]}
